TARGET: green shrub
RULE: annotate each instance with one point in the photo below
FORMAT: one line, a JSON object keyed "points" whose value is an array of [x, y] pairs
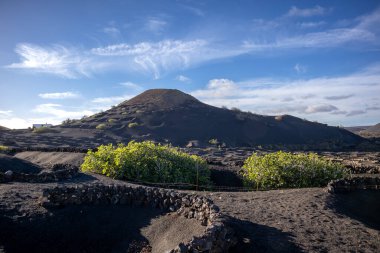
{"points": [[287, 170], [44, 130], [133, 124], [213, 141], [101, 126], [112, 121], [146, 161], [3, 148]]}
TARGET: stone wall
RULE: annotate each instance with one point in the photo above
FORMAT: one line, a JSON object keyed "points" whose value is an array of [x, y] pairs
{"points": [[352, 184], [217, 237], [57, 172]]}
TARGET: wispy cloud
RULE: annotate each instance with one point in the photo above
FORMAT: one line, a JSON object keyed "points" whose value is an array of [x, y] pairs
{"points": [[320, 108], [183, 79], [304, 98], [364, 30], [307, 12], [155, 24], [166, 55], [5, 113], [299, 68], [131, 86], [160, 57], [59, 95], [194, 10], [58, 111], [112, 31], [57, 60], [307, 25], [339, 97]]}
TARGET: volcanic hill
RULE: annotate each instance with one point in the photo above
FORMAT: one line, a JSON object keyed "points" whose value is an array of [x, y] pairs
{"points": [[366, 131], [168, 115]]}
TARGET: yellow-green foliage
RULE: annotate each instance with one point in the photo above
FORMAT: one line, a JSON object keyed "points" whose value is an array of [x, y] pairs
{"points": [[112, 121], [3, 148], [287, 170], [146, 161], [133, 124], [213, 141], [101, 126], [43, 130]]}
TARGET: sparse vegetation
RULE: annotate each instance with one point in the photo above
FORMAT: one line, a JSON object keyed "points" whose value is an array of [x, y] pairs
{"points": [[133, 124], [235, 109], [3, 148], [111, 121], [287, 170], [44, 130], [68, 121], [213, 141], [146, 161], [101, 126]]}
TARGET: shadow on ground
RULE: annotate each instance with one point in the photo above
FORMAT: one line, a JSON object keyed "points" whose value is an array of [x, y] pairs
{"points": [[259, 238], [361, 205], [77, 229]]}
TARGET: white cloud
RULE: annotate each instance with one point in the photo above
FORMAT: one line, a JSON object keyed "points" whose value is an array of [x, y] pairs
{"points": [[56, 60], [339, 97], [112, 100], [307, 25], [301, 97], [132, 86], [183, 79], [14, 123], [299, 68], [155, 25], [5, 113], [320, 108], [163, 56], [193, 10], [59, 95], [58, 111], [112, 31], [366, 30], [308, 12], [160, 57]]}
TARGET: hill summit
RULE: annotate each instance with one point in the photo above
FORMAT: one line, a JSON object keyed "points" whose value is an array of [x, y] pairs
{"points": [[162, 98], [171, 116]]}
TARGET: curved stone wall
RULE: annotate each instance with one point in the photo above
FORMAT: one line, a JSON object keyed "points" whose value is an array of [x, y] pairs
{"points": [[352, 184], [217, 237]]}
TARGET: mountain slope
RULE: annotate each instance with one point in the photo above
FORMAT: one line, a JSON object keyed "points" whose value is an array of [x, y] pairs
{"points": [[173, 116]]}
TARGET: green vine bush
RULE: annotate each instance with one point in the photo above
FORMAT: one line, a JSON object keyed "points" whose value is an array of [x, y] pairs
{"points": [[147, 162], [287, 170]]}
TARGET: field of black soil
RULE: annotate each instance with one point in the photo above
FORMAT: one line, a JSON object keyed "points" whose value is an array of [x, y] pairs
{"points": [[294, 220]]}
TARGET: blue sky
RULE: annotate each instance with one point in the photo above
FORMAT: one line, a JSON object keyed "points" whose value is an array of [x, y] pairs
{"points": [[318, 60]]}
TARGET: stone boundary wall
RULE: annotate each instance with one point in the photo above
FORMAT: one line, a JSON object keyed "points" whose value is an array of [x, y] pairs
{"points": [[352, 184], [217, 237], [58, 172]]}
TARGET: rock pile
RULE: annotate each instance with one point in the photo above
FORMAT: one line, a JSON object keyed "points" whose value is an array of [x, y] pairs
{"points": [[217, 237]]}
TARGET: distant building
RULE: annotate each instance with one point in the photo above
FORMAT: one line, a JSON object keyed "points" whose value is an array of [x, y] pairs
{"points": [[41, 125]]}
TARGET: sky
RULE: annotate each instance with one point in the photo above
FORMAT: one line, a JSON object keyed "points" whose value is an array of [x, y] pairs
{"points": [[317, 60]]}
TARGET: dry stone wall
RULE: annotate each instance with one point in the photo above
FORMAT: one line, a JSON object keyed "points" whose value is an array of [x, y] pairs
{"points": [[56, 173], [352, 184], [217, 237]]}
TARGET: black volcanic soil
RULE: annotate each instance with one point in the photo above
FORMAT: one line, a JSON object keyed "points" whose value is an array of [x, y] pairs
{"points": [[171, 116], [28, 227], [308, 220]]}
